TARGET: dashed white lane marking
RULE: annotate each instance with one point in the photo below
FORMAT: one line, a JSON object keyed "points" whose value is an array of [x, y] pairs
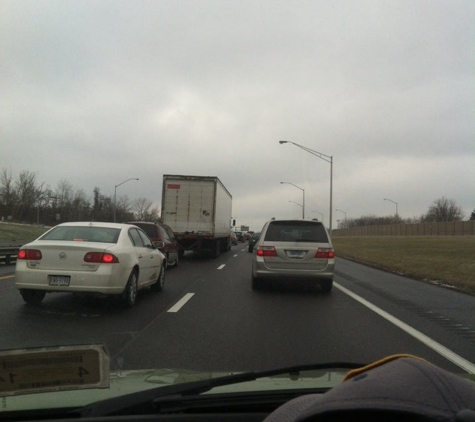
{"points": [[221, 267], [439, 348], [177, 306]]}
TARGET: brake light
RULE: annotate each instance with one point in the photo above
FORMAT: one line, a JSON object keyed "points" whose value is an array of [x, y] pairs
{"points": [[101, 258], [325, 253], [29, 254], [266, 251]]}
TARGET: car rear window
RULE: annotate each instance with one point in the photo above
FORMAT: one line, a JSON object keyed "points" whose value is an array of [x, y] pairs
{"points": [[150, 229], [296, 231], [83, 234]]}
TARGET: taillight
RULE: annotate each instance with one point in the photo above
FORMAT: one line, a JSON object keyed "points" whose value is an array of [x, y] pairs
{"points": [[29, 254], [325, 253], [266, 251], [101, 258]]}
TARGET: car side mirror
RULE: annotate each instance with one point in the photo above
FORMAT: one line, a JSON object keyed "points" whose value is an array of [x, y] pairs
{"points": [[159, 244]]}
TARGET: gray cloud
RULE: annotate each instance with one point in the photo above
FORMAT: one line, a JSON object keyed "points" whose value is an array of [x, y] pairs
{"points": [[96, 92]]}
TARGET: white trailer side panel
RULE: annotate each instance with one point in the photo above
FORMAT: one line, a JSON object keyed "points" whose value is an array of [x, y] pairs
{"points": [[223, 213]]}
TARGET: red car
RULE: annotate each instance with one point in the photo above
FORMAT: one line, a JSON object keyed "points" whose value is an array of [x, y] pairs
{"points": [[159, 232]]}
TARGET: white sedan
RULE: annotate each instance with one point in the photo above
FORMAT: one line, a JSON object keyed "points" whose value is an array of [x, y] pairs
{"points": [[83, 257]]}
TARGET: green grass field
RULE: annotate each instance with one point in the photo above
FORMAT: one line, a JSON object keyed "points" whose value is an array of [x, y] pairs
{"points": [[19, 232], [445, 260]]}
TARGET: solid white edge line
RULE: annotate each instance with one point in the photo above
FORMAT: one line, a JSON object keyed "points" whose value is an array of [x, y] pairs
{"points": [[221, 266], [177, 306], [442, 350]]}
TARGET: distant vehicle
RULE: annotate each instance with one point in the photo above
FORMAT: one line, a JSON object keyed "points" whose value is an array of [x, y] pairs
{"points": [[94, 258], [240, 236], [293, 250], [198, 210], [234, 240], [159, 232], [252, 241]]}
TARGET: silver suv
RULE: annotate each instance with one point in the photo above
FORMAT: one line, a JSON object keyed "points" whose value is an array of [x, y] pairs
{"points": [[293, 250]]}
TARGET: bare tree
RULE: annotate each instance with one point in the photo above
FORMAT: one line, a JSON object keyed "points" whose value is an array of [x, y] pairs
{"points": [[141, 207], [80, 206], [103, 207], [8, 195], [443, 209], [28, 193], [124, 209], [63, 200], [24, 199]]}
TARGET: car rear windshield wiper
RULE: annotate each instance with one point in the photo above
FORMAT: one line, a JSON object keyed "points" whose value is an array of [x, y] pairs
{"points": [[121, 404]]}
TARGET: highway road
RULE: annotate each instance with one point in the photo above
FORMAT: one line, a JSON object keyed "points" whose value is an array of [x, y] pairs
{"points": [[209, 318]]}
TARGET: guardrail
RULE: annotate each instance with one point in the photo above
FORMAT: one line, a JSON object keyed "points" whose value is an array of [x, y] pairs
{"points": [[8, 253]]}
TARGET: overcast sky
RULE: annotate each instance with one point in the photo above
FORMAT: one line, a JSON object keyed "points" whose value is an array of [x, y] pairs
{"points": [[96, 92]]}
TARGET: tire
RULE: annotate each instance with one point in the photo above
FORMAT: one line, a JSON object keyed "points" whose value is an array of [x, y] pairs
{"points": [[216, 245], [256, 283], [32, 297], [158, 286], [129, 296], [326, 286], [177, 259]]}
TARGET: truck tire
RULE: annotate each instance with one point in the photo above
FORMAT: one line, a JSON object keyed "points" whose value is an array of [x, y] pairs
{"points": [[216, 245]]}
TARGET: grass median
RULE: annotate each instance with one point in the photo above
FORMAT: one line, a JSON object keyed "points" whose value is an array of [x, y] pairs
{"points": [[448, 261], [14, 233]]}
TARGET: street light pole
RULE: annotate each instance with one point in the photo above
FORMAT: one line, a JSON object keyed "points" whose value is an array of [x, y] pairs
{"points": [[303, 194], [344, 212], [115, 192], [318, 212], [300, 205], [328, 159], [390, 200]]}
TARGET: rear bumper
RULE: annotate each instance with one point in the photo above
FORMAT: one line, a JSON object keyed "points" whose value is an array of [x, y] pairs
{"points": [[260, 270], [107, 280]]}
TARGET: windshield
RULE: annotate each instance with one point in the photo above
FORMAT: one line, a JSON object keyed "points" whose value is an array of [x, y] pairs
{"points": [[341, 131]]}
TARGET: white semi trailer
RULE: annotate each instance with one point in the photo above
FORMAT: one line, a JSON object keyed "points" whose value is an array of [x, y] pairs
{"points": [[198, 209]]}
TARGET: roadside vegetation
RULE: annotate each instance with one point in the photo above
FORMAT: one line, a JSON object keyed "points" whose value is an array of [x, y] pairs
{"points": [[19, 233], [448, 261], [26, 199]]}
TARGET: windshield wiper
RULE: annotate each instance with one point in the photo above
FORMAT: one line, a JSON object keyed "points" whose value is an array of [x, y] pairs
{"points": [[146, 398]]}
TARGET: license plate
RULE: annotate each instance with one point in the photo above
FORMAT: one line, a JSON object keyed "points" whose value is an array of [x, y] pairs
{"points": [[296, 254], [59, 280]]}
